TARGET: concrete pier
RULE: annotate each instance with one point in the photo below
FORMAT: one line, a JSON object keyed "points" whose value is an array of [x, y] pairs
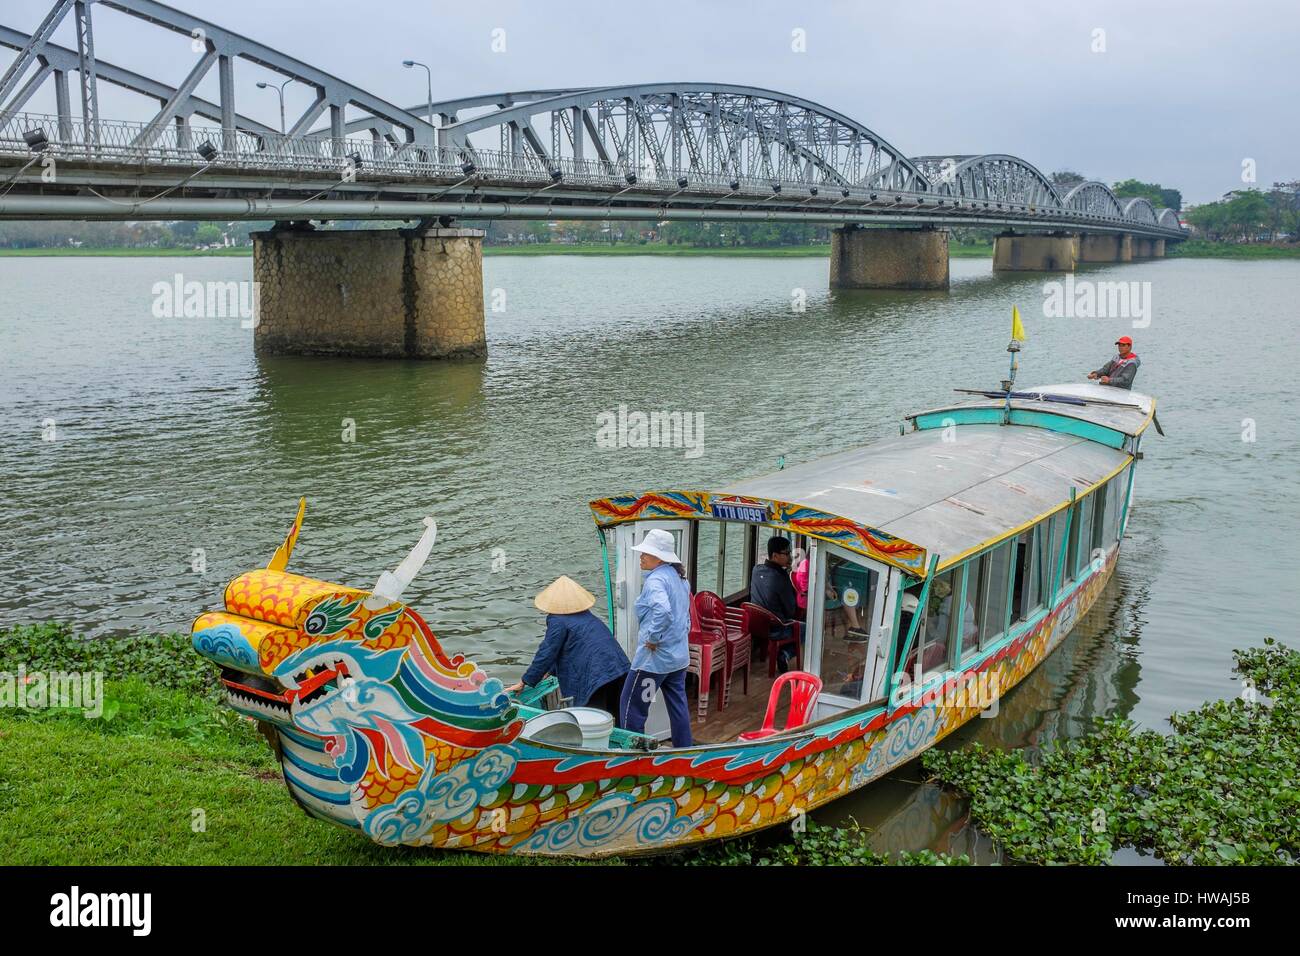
{"points": [[1012, 253], [1157, 248], [1108, 247], [387, 293], [889, 258], [1144, 248]]}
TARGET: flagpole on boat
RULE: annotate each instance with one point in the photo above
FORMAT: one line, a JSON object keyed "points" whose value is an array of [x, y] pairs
{"points": [[1017, 336]]}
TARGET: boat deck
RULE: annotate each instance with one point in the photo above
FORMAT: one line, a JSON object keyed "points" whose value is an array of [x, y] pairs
{"points": [[743, 712]]}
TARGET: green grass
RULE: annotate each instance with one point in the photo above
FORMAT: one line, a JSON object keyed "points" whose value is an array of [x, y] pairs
{"points": [[1204, 249], [1224, 787]]}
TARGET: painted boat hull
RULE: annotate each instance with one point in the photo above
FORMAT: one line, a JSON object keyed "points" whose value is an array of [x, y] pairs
{"points": [[517, 796]]}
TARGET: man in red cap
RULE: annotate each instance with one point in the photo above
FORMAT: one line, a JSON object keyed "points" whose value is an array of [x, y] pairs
{"points": [[1120, 370]]}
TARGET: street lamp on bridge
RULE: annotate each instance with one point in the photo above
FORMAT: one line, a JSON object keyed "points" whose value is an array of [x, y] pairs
{"points": [[411, 63], [279, 91]]}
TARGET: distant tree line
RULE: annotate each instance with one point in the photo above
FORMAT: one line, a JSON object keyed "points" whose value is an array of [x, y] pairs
{"points": [[126, 235], [1251, 215]]}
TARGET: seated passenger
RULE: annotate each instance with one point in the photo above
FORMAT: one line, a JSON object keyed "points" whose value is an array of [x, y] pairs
{"points": [[578, 649], [770, 588]]}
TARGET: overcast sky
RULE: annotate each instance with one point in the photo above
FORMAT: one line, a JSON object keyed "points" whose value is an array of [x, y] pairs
{"points": [[1182, 94]]}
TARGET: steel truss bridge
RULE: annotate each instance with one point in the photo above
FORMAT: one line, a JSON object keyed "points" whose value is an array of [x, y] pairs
{"points": [[661, 151]]}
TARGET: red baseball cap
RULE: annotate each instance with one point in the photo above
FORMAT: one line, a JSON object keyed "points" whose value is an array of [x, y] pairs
{"points": [[1123, 340]]}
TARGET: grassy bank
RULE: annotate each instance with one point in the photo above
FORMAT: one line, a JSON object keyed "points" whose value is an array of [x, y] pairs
{"points": [[1224, 787], [1204, 249], [124, 788]]}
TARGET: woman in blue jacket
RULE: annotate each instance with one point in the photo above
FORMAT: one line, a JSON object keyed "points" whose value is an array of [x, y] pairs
{"points": [[578, 649], [663, 614]]}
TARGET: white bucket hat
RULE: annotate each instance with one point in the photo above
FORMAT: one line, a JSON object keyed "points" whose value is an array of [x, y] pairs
{"points": [[660, 544]]}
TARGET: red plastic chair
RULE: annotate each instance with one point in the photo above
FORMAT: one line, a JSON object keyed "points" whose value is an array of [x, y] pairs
{"points": [[760, 622], [708, 656], [714, 617], [804, 691]]}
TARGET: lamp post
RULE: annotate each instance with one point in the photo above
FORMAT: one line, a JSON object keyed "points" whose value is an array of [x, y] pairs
{"points": [[280, 92], [412, 63]]}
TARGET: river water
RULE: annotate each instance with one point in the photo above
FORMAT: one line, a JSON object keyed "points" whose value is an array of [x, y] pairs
{"points": [[175, 448]]}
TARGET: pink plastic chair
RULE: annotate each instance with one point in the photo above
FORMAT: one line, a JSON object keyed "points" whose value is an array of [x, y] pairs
{"points": [[804, 691], [708, 656], [714, 617]]}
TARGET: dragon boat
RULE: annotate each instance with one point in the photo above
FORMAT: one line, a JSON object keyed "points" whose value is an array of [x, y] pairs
{"points": [[944, 564]]}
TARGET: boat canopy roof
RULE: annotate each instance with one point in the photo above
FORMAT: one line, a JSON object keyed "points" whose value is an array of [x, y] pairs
{"points": [[935, 491], [950, 497], [1126, 412]]}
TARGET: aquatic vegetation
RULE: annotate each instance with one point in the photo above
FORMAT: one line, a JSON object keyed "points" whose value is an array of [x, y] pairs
{"points": [[1224, 787], [817, 845]]}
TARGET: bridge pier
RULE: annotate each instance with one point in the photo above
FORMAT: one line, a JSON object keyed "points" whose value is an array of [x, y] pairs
{"points": [[889, 258], [1157, 248], [1143, 248], [1012, 253], [1108, 247], [408, 293]]}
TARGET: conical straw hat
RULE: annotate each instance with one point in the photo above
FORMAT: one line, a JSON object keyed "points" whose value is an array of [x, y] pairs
{"points": [[564, 596]]}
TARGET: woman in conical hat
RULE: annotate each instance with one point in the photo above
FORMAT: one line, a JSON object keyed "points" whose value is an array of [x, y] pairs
{"points": [[578, 649]]}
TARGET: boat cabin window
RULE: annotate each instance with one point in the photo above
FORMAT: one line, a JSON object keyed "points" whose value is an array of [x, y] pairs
{"points": [[936, 636], [736, 564], [708, 557], [1026, 590], [991, 605], [1072, 547], [849, 605], [1086, 510], [1051, 551]]}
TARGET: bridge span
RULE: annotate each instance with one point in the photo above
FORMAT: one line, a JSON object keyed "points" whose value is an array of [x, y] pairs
{"points": [[660, 151]]}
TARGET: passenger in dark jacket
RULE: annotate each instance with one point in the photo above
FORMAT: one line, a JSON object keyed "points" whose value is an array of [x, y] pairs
{"points": [[770, 587], [578, 649]]}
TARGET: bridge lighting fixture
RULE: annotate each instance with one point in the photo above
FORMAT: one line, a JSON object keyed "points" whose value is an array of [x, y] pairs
{"points": [[468, 168], [873, 197], [207, 151], [776, 187], [812, 190], [844, 193], [630, 178], [35, 140], [682, 182], [556, 175], [734, 184], [355, 160]]}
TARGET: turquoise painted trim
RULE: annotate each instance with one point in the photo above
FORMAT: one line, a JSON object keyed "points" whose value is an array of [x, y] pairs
{"points": [[1020, 416], [609, 589]]}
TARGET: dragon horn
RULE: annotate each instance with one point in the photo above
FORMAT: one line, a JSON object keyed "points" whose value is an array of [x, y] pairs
{"points": [[280, 560], [391, 584]]}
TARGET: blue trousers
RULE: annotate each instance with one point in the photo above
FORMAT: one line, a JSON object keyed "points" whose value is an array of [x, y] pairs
{"points": [[639, 691]]}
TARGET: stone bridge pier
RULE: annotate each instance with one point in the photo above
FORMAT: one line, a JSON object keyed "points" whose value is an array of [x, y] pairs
{"points": [[389, 293], [889, 258], [1037, 253], [1106, 247]]}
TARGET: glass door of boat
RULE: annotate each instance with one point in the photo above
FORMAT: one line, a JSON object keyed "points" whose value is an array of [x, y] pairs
{"points": [[628, 577], [850, 625]]}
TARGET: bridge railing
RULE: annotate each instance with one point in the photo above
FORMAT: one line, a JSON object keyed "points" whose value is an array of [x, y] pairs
{"points": [[365, 157]]}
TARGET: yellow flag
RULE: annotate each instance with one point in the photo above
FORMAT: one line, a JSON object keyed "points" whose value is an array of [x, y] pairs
{"points": [[1017, 330]]}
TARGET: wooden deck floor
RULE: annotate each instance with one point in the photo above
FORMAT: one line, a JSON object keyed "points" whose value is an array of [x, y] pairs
{"points": [[743, 712]]}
